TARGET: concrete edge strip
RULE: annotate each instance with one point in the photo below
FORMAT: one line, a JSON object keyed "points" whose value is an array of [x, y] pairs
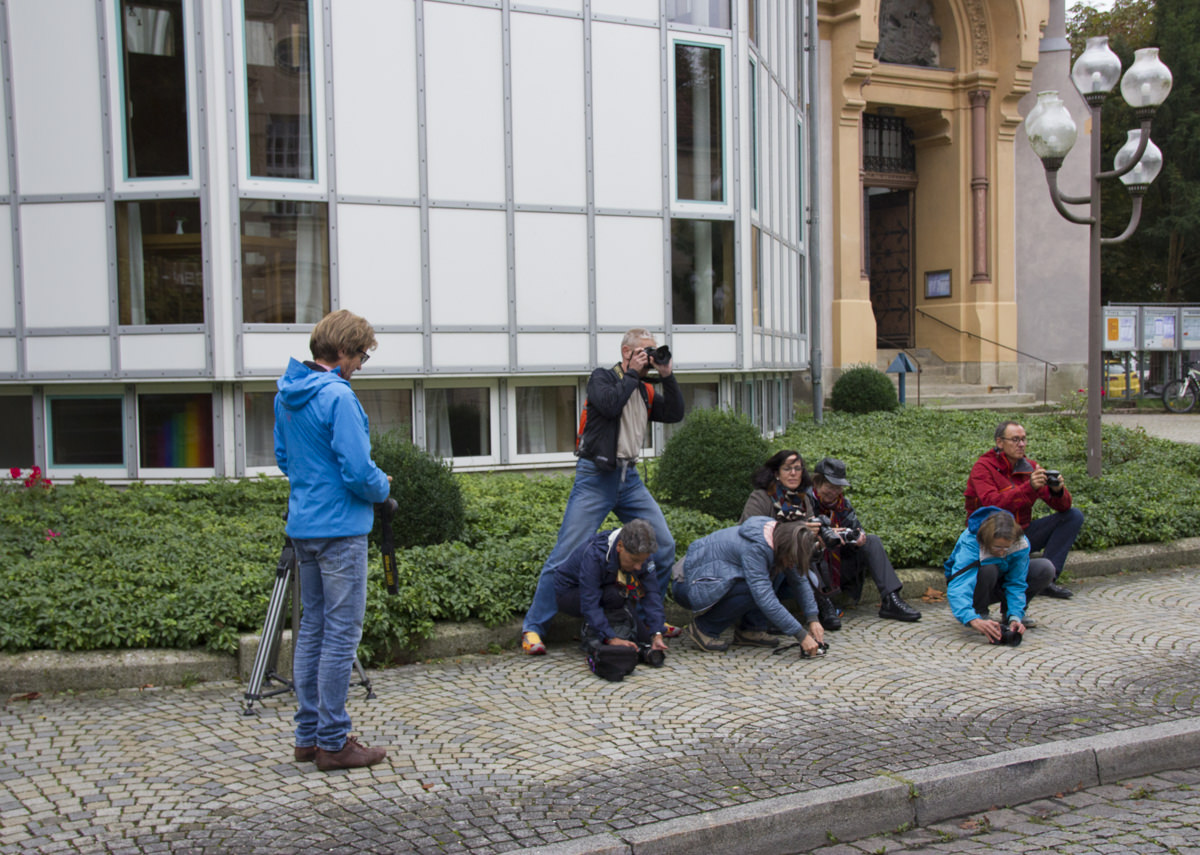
{"points": [[846, 812]]}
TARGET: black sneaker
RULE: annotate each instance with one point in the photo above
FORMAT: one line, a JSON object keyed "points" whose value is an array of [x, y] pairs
{"points": [[894, 608], [830, 615]]}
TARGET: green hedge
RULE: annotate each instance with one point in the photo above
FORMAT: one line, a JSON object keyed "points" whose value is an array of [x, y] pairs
{"points": [[85, 566]]}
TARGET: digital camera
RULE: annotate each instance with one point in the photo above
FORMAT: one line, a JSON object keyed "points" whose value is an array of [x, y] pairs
{"points": [[660, 355]]}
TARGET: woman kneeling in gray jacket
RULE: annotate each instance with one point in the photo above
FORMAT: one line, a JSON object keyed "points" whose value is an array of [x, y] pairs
{"points": [[733, 576]]}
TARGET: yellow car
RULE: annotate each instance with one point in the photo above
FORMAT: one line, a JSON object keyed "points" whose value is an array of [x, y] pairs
{"points": [[1114, 381]]}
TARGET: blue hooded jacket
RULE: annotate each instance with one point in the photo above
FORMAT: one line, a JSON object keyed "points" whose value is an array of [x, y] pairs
{"points": [[323, 446], [1014, 570]]}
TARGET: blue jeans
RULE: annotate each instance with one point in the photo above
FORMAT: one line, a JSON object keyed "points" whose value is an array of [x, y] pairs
{"points": [[595, 493], [333, 589], [737, 605], [1055, 534]]}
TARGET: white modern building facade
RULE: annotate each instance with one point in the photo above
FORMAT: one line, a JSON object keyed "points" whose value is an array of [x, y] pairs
{"points": [[501, 188]]}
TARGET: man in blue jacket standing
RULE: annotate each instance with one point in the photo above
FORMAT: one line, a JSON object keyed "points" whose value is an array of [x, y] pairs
{"points": [[323, 446]]}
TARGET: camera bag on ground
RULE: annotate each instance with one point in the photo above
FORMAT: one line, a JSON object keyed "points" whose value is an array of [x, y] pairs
{"points": [[611, 661]]}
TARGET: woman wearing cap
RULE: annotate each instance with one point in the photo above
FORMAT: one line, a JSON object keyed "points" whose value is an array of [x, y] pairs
{"points": [[851, 548], [779, 492]]}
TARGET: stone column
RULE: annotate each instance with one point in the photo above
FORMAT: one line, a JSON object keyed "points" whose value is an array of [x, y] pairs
{"points": [[979, 186]]}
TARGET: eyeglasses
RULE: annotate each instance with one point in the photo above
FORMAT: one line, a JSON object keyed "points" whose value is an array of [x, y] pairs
{"points": [[792, 469], [1015, 440], [363, 356]]}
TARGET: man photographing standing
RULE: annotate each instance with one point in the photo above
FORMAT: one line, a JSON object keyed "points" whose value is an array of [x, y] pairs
{"points": [[323, 446]]}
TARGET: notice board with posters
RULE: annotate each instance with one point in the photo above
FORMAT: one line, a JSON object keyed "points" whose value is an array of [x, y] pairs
{"points": [[1120, 328], [1189, 328], [1160, 328]]}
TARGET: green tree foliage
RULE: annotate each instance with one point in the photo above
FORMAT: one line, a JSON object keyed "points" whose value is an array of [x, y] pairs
{"points": [[1161, 262], [708, 462], [430, 502], [864, 389]]}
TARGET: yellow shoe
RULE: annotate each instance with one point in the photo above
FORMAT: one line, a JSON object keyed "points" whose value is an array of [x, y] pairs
{"points": [[532, 644], [671, 631]]}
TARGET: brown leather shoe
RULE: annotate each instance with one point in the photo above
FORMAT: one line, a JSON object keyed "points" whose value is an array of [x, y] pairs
{"points": [[352, 756], [304, 753]]}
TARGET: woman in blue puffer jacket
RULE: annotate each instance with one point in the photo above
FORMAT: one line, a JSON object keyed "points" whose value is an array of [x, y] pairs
{"points": [[990, 564], [733, 576]]}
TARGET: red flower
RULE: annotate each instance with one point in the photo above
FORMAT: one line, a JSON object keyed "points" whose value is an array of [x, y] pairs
{"points": [[50, 533], [15, 472]]}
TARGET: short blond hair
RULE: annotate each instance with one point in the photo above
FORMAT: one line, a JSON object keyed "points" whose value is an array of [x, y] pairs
{"points": [[635, 336], [341, 333]]}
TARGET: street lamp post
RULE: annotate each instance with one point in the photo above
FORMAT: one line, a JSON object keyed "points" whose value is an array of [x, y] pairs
{"points": [[1051, 132]]}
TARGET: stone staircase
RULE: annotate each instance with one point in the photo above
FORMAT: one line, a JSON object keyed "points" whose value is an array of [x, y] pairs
{"points": [[942, 385]]}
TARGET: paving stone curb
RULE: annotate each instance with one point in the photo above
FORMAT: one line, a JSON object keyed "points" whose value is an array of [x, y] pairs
{"points": [[52, 671], [860, 809]]}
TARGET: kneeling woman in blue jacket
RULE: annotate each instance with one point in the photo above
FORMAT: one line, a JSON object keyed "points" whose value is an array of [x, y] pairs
{"points": [[734, 575], [990, 564]]}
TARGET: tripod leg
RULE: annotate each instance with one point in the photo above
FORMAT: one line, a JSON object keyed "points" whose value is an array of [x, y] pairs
{"points": [[266, 659], [363, 679]]}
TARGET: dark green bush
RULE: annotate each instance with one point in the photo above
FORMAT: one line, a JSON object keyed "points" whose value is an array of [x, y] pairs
{"points": [[424, 487], [708, 462], [864, 389]]}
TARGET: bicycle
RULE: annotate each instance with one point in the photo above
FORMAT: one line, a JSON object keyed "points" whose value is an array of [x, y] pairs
{"points": [[1181, 394]]}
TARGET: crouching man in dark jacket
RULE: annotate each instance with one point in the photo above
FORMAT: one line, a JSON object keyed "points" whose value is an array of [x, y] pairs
{"points": [[603, 580]]}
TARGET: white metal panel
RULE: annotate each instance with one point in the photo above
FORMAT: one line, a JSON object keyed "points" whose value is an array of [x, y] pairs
{"points": [[56, 78], [552, 275], [375, 51], [552, 350], [565, 5], [627, 117], [703, 348], [464, 102], [468, 263], [379, 262], [64, 253], [549, 160], [8, 295], [271, 351], [470, 350], [637, 9], [629, 271], [64, 354], [397, 350], [8, 355], [182, 352], [608, 345]]}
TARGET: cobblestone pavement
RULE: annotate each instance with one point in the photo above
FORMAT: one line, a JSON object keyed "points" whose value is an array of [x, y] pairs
{"points": [[1143, 816], [1174, 426], [492, 753]]}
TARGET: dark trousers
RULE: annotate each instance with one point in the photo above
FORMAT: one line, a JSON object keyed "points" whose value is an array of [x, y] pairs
{"points": [[611, 600], [1054, 535], [737, 606], [988, 588], [872, 558]]}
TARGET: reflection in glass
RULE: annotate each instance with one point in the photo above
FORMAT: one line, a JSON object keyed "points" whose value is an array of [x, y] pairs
{"points": [[86, 432], [545, 419], [388, 410], [702, 283], [458, 422], [696, 396], [703, 13], [16, 431], [260, 428], [698, 124], [160, 265], [175, 431], [285, 262], [278, 89], [155, 80]]}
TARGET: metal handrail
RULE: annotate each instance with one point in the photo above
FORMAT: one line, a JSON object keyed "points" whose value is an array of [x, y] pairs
{"points": [[1047, 365]]}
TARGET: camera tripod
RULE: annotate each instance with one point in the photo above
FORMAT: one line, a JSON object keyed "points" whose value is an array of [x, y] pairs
{"points": [[287, 586]]}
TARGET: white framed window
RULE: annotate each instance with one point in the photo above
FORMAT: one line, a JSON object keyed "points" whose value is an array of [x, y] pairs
{"points": [[543, 417], [258, 428], [700, 123], [462, 421], [16, 430], [85, 432], [700, 392], [703, 285], [174, 432]]}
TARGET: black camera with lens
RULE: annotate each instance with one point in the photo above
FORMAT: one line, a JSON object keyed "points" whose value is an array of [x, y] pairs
{"points": [[647, 655], [1053, 479], [1008, 636], [832, 536], [660, 355]]}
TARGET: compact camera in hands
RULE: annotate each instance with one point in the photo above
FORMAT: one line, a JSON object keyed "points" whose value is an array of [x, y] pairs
{"points": [[1053, 479], [660, 355], [833, 536], [1008, 636]]}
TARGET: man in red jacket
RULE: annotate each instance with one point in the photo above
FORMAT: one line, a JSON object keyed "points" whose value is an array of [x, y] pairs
{"points": [[1003, 476]]}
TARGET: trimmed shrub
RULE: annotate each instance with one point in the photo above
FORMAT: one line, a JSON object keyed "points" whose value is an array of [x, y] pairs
{"points": [[864, 389], [708, 462], [431, 503]]}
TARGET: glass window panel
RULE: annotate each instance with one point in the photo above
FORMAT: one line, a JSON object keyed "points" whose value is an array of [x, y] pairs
{"points": [[388, 410], [696, 396], [278, 89], [699, 148], [756, 273], [458, 422], [545, 419], [87, 432], [754, 136], [260, 428], [700, 13], [155, 78], [702, 283], [285, 261], [175, 431], [160, 262], [16, 431]]}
